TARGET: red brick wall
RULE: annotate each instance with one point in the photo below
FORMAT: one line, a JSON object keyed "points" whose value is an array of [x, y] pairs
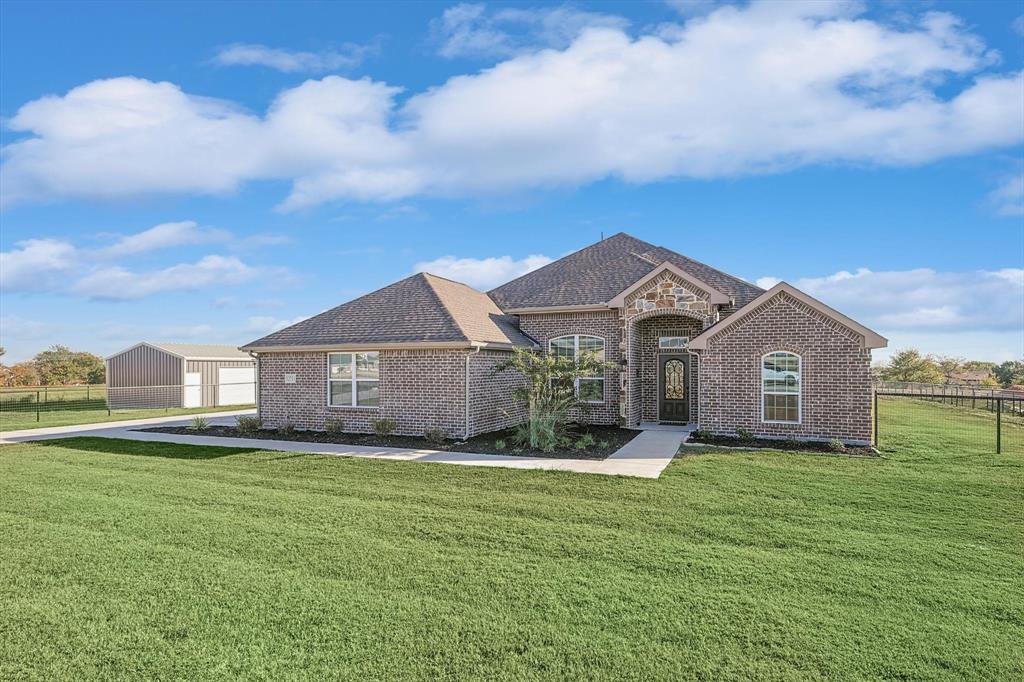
{"points": [[836, 380], [419, 389], [491, 403], [544, 327]]}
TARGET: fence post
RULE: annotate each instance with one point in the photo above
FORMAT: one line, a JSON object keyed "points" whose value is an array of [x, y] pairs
{"points": [[876, 420], [37, 406], [999, 426]]}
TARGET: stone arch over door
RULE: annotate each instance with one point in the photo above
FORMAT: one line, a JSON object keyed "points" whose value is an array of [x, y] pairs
{"points": [[641, 332]]}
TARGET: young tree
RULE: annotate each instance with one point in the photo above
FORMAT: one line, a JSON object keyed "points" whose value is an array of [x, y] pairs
{"points": [[549, 391], [909, 365]]}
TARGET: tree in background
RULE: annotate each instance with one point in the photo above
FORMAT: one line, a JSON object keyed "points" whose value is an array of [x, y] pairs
{"points": [[1010, 372], [909, 365], [20, 374], [60, 365]]}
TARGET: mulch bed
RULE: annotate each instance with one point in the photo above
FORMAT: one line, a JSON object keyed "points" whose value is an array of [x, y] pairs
{"points": [[612, 436], [773, 444]]}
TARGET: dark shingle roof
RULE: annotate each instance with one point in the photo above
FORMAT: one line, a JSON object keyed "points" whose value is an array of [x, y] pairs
{"points": [[597, 273], [417, 309]]}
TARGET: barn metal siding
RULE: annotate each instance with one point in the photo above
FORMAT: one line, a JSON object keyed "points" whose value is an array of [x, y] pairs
{"points": [[144, 377], [208, 376]]}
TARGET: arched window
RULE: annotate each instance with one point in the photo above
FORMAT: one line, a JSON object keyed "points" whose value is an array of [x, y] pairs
{"points": [[588, 389], [780, 387]]}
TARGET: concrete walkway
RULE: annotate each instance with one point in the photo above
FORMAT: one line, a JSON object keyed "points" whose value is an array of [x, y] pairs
{"points": [[646, 456]]}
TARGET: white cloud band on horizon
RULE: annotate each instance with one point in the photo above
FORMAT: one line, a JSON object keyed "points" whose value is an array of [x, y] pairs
{"points": [[482, 273], [763, 88], [940, 312]]}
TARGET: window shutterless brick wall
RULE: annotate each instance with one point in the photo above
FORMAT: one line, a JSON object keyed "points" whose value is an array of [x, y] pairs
{"points": [[492, 406], [419, 389], [835, 375], [546, 326]]}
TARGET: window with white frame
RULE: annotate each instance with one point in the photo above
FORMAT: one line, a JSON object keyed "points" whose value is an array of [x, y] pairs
{"points": [[588, 389], [780, 387], [353, 379], [673, 342]]}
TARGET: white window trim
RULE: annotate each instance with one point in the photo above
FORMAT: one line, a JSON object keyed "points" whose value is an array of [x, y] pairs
{"points": [[799, 393], [576, 353], [686, 342], [353, 380]]}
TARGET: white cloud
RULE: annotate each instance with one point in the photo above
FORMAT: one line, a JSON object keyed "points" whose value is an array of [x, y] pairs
{"points": [[58, 266], [924, 301], [119, 284], [471, 30], [482, 273], [1008, 198], [34, 264], [1018, 25], [163, 236], [265, 324], [756, 89], [291, 61]]}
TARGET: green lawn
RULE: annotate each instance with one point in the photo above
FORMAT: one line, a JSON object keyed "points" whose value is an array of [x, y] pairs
{"points": [[13, 421], [133, 560]]}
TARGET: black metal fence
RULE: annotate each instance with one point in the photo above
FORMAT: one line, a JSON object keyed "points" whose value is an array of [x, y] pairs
{"points": [[21, 406], [969, 418]]}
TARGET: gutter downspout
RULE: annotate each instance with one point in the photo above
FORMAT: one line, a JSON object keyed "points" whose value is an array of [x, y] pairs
{"points": [[475, 351], [256, 357]]}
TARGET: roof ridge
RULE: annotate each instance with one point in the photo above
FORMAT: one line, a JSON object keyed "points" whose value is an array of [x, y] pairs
{"points": [[427, 278], [562, 258]]}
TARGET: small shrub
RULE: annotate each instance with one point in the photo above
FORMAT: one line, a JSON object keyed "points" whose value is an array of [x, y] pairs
{"points": [[743, 434], [565, 442], [500, 444], [248, 424], [791, 444], [700, 434], [836, 445], [286, 429], [604, 445], [585, 441], [434, 435], [199, 424], [383, 427], [334, 426]]}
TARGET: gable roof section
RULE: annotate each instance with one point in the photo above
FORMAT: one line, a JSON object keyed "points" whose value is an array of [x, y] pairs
{"points": [[598, 273], [418, 311], [714, 295], [193, 351], [871, 339]]}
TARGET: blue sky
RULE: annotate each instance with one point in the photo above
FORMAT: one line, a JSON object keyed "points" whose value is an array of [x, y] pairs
{"points": [[210, 172]]}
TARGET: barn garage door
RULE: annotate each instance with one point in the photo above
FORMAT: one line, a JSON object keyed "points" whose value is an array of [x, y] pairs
{"points": [[237, 385], [193, 390]]}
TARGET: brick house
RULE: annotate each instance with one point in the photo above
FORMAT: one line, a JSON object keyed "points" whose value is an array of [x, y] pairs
{"points": [[689, 344]]}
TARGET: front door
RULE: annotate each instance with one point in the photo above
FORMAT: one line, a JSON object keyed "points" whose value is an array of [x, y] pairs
{"points": [[673, 388]]}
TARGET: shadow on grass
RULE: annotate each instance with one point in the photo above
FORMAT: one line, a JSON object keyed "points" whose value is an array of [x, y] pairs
{"points": [[114, 446]]}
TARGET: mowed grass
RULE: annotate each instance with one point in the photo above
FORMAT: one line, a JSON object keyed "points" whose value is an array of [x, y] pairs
{"points": [[135, 560], [26, 419]]}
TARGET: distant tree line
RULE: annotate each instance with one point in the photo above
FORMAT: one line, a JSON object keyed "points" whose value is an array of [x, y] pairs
{"points": [[57, 366], [913, 366]]}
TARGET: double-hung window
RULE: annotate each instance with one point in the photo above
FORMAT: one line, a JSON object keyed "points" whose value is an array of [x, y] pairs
{"points": [[353, 379], [588, 389], [780, 387]]}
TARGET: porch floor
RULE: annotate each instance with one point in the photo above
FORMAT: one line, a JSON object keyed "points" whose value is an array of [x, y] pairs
{"points": [[656, 426]]}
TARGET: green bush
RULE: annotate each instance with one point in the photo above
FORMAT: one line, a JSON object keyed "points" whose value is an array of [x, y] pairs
{"points": [[383, 427], [585, 441], [791, 444], [286, 429], [334, 426], [500, 444], [836, 445], [700, 434], [199, 423], [743, 434], [248, 425], [434, 435], [604, 445]]}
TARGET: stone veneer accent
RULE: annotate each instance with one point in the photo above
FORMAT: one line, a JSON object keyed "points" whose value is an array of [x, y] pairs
{"points": [[546, 326], [419, 389], [835, 376]]}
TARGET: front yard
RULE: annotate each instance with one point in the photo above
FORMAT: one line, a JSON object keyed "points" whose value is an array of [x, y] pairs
{"points": [[144, 560]]}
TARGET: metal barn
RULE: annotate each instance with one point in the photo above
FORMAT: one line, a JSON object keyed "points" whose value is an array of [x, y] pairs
{"points": [[158, 375]]}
